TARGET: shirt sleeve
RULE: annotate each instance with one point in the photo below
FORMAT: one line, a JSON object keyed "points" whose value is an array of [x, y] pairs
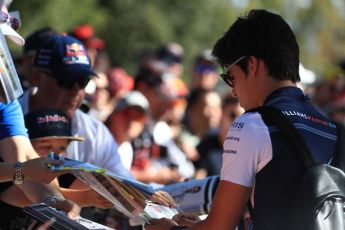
{"points": [[11, 120], [247, 149]]}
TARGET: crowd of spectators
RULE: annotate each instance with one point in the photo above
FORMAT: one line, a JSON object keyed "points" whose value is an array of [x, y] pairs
{"points": [[152, 124]]}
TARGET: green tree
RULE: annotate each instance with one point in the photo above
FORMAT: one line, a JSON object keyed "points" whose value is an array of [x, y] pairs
{"points": [[131, 26]]}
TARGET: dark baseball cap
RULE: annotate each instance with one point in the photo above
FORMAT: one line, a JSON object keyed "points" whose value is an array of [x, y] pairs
{"points": [[65, 57], [47, 123], [36, 39], [149, 76], [170, 53]]}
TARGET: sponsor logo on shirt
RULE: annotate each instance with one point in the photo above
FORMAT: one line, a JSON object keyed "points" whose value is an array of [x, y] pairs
{"points": [[238, 125], [233, 138], [308, 117], [231, 151]]}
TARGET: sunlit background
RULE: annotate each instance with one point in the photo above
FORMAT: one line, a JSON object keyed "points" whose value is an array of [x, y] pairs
{"points": [[130, 26]]}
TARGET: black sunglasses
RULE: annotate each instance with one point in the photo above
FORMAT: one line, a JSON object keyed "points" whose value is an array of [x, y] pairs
{"points": [[229, 80], [64, 84], [69, 84]]}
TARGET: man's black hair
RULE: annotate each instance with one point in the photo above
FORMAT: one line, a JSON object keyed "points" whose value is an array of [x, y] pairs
{"points": [[149, 77], [195, 96], [266, 36]]}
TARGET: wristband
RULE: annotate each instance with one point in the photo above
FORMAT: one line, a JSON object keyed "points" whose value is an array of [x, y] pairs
{"points": [[18, 176]]}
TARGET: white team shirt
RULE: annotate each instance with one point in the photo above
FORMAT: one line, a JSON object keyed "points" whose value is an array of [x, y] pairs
{"points": [[247, 149]]}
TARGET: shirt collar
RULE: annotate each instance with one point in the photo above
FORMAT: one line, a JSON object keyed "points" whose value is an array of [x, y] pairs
{"points": [[290, 91]]}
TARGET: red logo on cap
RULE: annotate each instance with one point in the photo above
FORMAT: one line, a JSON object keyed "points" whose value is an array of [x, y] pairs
{"points": [[76, 54], [51, 118]]}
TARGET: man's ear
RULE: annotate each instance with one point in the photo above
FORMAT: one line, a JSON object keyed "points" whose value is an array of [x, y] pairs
{"points": [[255, 66], [252, 66]]}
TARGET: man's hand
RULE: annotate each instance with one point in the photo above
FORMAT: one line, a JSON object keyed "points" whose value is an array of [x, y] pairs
{"points": [[71, 208], [160, 224], [37, 169], [99, 201], [163, 198], [187, 220]]}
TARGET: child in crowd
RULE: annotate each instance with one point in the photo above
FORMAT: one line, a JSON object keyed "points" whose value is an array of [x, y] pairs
{"points": [[50, 131]]}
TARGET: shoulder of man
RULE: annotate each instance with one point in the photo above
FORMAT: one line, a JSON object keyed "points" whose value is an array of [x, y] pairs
{"points": [[247, 121], [87, 125], [86, 119]]}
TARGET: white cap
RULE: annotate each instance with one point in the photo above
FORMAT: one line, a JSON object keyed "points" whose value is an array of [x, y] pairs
{"points": [[133, 98], [12, 34]]}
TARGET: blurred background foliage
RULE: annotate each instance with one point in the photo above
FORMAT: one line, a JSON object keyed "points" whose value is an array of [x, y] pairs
{"points": [[131, 26]]}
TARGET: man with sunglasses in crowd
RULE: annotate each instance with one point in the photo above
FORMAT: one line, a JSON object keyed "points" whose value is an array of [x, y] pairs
{"points": [[15, 145], [61, 71]]}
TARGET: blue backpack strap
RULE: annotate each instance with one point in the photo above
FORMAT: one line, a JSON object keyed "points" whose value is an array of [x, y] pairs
{"points": [[339, 156]]}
